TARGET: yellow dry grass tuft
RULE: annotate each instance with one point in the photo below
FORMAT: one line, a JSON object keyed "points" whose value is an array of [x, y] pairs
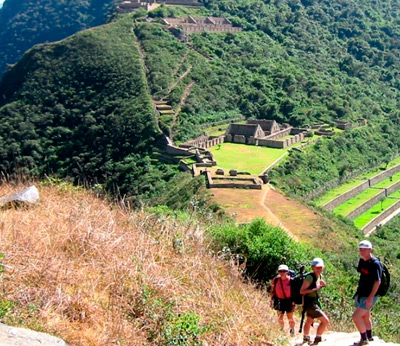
{"points": [[94, 273]]}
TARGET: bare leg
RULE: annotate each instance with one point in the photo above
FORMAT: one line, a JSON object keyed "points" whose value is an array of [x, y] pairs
{"points": [[290, 319], [359, 318], [367, 320], [324, 321], [280, 319], [307, 325]]}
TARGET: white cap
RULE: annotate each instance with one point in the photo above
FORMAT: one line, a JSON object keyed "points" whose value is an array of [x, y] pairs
{"points": [[365, 244], [318, 262], [283, 267]]}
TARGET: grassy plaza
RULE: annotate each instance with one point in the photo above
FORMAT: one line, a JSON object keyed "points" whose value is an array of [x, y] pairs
{"points": [[248, 158]]}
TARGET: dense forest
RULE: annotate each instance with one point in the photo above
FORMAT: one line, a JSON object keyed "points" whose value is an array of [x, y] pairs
{"points": [[24, 23]]}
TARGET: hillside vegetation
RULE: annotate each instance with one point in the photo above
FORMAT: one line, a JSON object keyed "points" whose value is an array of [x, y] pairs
{"points": [[296, 62], [95, 273], [24, 23]]}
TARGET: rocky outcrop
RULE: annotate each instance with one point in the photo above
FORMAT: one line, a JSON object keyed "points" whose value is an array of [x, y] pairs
{"points": [[27, 196], [11, 336]]}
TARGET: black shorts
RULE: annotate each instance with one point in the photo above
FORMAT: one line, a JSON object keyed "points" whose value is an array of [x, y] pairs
{"points": [[283, 305]]}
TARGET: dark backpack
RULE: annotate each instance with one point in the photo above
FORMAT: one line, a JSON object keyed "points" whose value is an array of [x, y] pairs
{"points": [[296, 284], [385, 280]]}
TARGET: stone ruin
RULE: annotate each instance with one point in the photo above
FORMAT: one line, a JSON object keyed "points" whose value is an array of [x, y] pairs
{"points": [[259, 132], [127, 6], [192, 25], [266, 133]]}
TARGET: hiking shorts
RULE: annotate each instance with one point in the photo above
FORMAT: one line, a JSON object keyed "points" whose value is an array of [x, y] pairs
{"points": [[360, 302], [284, 305], [314, 311]]}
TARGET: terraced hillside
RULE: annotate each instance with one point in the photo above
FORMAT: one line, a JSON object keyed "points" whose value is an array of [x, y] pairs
{"points": [[369, 199]]}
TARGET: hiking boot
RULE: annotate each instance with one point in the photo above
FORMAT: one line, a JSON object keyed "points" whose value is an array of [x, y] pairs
{"points": [[371, 339], [361, 343], [291, 332], [306, 339], [317, 340]]}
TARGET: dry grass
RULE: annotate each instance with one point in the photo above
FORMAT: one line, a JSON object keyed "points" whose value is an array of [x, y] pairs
{"points": [[94, 273]]}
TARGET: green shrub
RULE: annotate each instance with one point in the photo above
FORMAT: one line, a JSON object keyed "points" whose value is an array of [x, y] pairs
{"points": [[262, 247]]}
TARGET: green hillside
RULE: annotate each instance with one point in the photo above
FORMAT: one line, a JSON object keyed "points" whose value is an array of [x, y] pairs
{"points": [[81, 109], [294, 62], [25, 23]]}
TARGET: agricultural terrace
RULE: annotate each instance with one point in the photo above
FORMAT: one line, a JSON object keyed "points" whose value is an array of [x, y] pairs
{"points": [[370, 214], [348, 185], [388, 181], [247, 158], [353, 203]]}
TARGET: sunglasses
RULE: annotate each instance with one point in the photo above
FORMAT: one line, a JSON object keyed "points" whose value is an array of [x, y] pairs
{"points": [[282, 271]]}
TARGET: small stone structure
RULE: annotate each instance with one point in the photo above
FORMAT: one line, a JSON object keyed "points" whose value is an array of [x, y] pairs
{"points": [[132, 5], [266, 133], [192, 25], [345, 125], [127, 6], [233, 182], [268, 126]]}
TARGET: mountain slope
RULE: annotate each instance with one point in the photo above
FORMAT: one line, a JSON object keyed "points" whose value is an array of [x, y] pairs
{"points": [[79, 108], [26, 23], [95, 273]]}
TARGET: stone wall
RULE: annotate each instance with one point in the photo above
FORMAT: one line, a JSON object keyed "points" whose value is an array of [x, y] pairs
{"points": [[239, 139], [204, 142], [366, 205], [393, 188], [381, 176], [183, 166], [196, 28], [181, 2], [301, 146], [375, 222], [296, 131], [197, 141], [253, 183], [174, 150], [332, 204], [280, 134], [271, 143]]}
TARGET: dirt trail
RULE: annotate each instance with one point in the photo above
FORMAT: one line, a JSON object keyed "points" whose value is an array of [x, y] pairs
{"points": [[339, 339], [300, 221], [179, 79], [181, 103]]}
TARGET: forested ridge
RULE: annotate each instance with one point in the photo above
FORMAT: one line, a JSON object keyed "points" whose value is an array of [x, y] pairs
{"points": [[24, 23]]}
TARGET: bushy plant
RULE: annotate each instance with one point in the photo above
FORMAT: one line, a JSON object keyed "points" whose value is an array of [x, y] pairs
{"points": [[261, 246]]}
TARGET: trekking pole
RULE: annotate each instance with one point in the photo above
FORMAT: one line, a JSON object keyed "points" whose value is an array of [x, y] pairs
{"points": [[303, 312]]}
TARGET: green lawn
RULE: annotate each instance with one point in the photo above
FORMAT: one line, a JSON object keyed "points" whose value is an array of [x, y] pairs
{"points": [[395, 194], [388, 181], [355, 202], [249, 158], [337, 191], [373, 212]]}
